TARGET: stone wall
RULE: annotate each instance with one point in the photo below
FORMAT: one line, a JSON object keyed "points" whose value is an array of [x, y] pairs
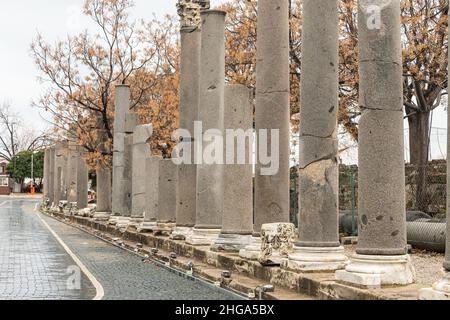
{"points": [[435, 187]]}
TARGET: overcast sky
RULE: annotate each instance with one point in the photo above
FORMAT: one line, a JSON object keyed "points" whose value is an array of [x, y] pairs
{"points": [[19, 22]]}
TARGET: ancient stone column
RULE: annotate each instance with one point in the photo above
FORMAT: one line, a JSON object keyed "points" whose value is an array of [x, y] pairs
{"points": [[51, 176], [82, 181], [237, 220], [47, 170], [318, 247], [103, 191], [190, 34], [151, 193], [60, 172], [209, 198], [167, 197], [141, 150], [103, 172], [381, 257], [120, 198], [441, 289], [272, 114], [72, 164]]}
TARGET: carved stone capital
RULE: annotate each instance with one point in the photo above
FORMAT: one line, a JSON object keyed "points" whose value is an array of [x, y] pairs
{"points": [[189, 12]]}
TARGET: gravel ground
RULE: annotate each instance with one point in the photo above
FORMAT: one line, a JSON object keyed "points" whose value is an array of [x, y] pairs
{"points": [[428, 265]]}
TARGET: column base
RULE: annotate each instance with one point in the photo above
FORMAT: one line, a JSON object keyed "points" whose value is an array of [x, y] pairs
{"points": [[146, 226], [316, 259], [123, 222], [181, 233], [135, 222], [374, 271], [253, 250], [164, 228], [101, 216], [113, 220], [439, 291], [202, 237], [231, 242]]}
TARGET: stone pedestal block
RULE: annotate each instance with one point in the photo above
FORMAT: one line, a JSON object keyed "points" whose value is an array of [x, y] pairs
{"points": [[277, 243], [375, 271]]}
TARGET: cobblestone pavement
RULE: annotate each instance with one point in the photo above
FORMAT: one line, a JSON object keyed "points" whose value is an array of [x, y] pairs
{"points": [[32, 263], [30, 257]]}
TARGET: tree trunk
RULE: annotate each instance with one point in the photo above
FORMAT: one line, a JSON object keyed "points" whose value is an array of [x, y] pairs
{"points": [[419, 141]]}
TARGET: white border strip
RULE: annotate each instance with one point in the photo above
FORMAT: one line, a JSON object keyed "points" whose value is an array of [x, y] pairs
{"points": [[98, 287]]}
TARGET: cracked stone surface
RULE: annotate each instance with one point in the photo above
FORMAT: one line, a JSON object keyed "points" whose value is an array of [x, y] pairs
{"points": [[381, 202], [318, 173], [272, 108]]}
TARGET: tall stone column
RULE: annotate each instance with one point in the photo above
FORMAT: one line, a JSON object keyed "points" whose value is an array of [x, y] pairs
{"points": [[441, 289], [82, 180], [141, 150], [72, 164], [103, 191], [272, 113], [103, 172], [151, 193], [167, 197], [122, 105], [51, 176], [60, 172], [190, 34], [47, 190], [209, 198], [381, 257], [237, 220], [318, 248], [120, 198]]}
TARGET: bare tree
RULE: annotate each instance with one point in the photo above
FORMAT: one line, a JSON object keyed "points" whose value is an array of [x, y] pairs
{"points": [[15, 136]]}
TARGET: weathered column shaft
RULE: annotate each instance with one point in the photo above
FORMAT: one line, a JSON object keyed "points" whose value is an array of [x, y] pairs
{"points": [[318, 173], [381, 257], [141, 150], [60, 172], [381, 176], [51, 177], [209, 199], [82, 181], [237, 219], [167, 197], [47, 156], [152, 188], [72, 164], [122, 105], [238, 176], [272, 109], [189, 100], [103, 189]]}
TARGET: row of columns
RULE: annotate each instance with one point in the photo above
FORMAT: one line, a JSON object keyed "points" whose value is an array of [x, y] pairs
{"points": [[213, 205], [65, 175]]}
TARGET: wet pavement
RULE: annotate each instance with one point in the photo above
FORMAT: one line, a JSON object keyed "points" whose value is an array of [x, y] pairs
{"points": [[34, 265]]}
